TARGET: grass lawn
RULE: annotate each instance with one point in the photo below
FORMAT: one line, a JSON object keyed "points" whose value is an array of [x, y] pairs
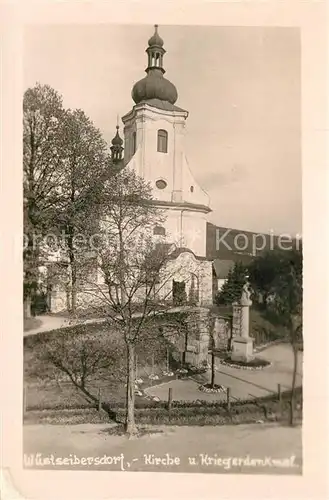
{"points": [[48, 387]]}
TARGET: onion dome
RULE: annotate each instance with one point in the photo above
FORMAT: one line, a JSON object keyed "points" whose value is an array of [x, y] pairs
{"points": [[156, 38], [154, 85], [117, 141], [116, 148]]}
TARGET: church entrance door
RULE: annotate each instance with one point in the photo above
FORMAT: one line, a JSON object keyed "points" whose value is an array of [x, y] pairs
{"points": [[179, 293]]}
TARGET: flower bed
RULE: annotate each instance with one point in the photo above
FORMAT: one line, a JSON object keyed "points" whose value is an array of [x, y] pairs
{"points": [[255, 364], [212, 389]]}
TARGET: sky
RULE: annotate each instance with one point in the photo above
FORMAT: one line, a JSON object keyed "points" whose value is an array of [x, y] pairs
{"points": [[241, 86]]}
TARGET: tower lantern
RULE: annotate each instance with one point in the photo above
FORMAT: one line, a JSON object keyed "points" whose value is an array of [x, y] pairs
{"points": [[155, 52]]}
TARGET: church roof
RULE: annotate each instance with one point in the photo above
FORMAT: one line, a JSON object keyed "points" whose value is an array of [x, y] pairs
{"points": [[223, 266], [234, 244], [180, 250], [117, 141], [154, 86], [226, 246]]}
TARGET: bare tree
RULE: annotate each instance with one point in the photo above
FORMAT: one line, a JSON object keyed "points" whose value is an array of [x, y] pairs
{"points": [[134, 272], [81, 355]]}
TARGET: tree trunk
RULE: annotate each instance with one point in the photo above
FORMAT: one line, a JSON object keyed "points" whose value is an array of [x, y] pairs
{"points": [[212, 360], [73, 283], [131, 428], [73, 272], [31, 272], [293, 385], [212, 369], [27, 307], [74, 294]]}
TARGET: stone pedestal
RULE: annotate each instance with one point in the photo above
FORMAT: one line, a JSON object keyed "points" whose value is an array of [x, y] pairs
{"points": [[236, 321], [242, 344], [197, 347], [242, 349]]}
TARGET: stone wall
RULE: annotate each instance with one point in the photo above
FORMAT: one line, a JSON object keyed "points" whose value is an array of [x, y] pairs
{"points": [[195, 273], [198, 337], [87, 299]]}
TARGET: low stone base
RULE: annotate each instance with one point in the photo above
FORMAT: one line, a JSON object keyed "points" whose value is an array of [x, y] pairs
{"points": [[242, 349]]}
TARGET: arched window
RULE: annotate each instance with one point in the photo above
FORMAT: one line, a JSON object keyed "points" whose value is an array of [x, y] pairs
{"points": [[159, 231], [134, 143], [162, 141]]}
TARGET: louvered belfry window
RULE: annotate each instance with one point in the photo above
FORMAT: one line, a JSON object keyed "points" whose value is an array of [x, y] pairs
{"points": [[162, 141]]}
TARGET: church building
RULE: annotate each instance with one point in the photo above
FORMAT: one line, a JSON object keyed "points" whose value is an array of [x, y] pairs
{"points": [[154, 147]]}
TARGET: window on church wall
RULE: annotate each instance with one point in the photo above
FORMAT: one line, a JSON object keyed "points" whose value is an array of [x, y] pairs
{"points": [[161, 184], [134, 143], [159, 231], [162, 141]]}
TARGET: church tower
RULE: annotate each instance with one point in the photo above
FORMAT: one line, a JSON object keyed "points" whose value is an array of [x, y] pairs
{"points": [[154, 132]]}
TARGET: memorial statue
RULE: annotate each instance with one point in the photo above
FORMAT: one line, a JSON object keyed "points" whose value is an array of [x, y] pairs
{"points": [[245, 296]]}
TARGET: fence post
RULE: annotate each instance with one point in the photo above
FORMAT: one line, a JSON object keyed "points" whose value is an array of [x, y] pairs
{"points": [[167, 360], [228, 400], [169, 398], [99, 400], [279, 393], [136, 366], [169, 402]]}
